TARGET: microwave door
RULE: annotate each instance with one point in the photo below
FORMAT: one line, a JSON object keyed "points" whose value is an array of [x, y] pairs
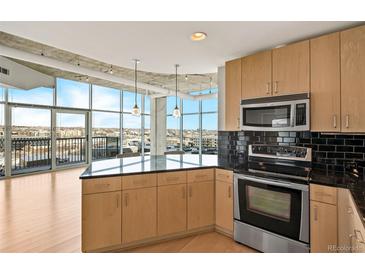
{"points": [[266, 117]]}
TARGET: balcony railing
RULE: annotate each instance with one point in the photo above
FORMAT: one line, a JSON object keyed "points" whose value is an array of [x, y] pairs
{"points": [[34, 154]]}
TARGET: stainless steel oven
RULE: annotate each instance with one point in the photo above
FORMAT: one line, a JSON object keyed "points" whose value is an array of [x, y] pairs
{"points": [[278, 113], [271, 215]]}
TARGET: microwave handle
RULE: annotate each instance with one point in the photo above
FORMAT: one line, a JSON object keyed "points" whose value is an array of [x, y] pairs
{"points": [[292, 115]]}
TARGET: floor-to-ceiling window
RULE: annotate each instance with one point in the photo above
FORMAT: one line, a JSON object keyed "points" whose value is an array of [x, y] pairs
{"points": [[197, 129], [106, 116], [49, 127]]}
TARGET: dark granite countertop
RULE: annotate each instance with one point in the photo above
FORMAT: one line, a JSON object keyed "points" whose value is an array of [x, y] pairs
{"points": [[139, 164]]}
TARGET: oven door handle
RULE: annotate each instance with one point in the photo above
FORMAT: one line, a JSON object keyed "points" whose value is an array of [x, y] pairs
{"points": [[273, 182]]}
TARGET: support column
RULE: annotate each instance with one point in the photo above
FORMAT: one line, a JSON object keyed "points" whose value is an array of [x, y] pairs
{"points": [[158, 126]]}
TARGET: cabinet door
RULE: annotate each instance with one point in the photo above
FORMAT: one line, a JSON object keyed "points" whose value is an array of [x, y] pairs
{"points": [[291, 69], [200, 204], [171, 205], [224, 205], [139, 214], [323, 227], [325, 83], [233, 95], [353, 80], [101, 220], [256, 75], [345, 222]]}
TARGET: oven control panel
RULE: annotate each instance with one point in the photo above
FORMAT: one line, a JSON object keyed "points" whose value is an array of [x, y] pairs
{"points": [[281, 152]]}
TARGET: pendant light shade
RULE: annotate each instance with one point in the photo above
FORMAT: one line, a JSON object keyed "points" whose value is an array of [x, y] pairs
{"points": [[176, 112], [135, 110]]}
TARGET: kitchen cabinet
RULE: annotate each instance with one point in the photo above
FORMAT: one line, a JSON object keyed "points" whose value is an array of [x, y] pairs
{"points": [[352, 79], [200, 204], [256, 75], [224, 201], [171, 209], [101, 220], [232, 94], [139, 214], [351, 230], [325, 83], [323, 218], [291, 69]]}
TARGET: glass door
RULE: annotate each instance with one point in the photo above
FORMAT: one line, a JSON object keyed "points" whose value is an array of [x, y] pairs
{"points": [[70, 137], [31, 148]]}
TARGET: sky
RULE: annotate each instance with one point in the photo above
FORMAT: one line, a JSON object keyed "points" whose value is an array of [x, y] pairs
{"points": [[76, 94]]}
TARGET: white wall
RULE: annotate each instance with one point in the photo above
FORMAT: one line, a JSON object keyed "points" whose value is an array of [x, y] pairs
{"points": [[221, 97], [22, 77]]}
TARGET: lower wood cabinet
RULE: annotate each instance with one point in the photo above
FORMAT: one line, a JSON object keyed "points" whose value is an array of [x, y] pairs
{"points": [[200, 204], [323, 218], [101, 220], [139, 214], [224, 205], [171, 205]]}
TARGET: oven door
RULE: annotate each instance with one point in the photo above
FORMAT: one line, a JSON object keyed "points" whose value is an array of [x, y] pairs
{"points": [[276, 206]]}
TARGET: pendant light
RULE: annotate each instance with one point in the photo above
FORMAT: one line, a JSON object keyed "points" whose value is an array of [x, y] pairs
{"points": [[176, 112], [135, 111]]}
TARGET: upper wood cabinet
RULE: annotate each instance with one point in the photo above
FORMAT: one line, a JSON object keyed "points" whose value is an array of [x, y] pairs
{"points": [[139, 214], [291, 69], [256, 75], [101, 220], [353, 79], [232, 94], [325, 83]]}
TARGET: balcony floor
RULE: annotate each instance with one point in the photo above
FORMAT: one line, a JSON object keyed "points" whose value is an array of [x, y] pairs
{"points": [[42, 213]]}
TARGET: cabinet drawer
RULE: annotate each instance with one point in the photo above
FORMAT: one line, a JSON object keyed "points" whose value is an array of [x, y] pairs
{"points": [[224, 175], [98, 185], [171, 178], [139, 181], [200, 175], [324, 194]]}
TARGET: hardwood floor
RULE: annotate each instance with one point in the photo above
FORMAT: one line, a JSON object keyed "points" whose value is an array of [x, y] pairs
{"points": [[42, 213], [206, 242]]}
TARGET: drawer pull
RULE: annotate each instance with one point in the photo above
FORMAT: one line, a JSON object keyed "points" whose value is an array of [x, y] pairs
{"points": [[172, 178], [102, 185], [117, 201], [268, 88], [190, 191], [349, 210], [229, 191], [334, 120], [323, 194]]}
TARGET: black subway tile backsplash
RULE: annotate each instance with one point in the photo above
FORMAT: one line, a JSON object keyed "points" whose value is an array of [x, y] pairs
{"points": [[330, 151]]}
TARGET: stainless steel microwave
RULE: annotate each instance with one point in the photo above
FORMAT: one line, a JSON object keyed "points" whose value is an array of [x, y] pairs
{"points": [[278, 113]]}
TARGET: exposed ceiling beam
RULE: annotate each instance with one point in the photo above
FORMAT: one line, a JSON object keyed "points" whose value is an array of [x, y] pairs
{"points": [[53, 63]]}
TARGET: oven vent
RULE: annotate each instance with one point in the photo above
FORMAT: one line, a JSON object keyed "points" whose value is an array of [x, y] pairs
{"points": [[4, 71]]}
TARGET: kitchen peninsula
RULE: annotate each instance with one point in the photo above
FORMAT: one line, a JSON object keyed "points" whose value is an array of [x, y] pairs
{"points": [[134, 201]]}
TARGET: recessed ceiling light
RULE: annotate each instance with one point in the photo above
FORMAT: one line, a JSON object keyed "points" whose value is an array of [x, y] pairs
{"points": [[198, 36]]}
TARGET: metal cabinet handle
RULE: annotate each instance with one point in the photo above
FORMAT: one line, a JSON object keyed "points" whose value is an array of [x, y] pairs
{"points": [[268, 88], [183, 192], [349, 210], [117, 200], [358, 237], [126, 196], [276, 84], [347, 123], [334, 120], [190, 191], [238, 123], [229, 191], [316, 213]]}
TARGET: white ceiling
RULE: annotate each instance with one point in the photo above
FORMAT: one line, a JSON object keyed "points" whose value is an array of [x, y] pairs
{"points": [[160, 45]]}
